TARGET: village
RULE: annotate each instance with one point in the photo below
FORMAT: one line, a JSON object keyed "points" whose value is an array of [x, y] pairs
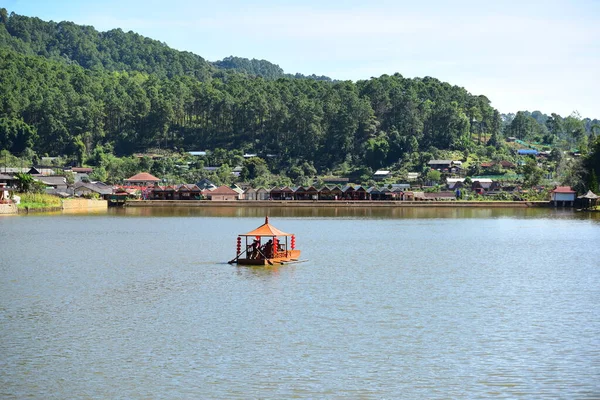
{"points": [[146, 187]]}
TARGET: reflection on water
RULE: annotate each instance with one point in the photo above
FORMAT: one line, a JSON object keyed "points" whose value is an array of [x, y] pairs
{"points": [[392, 303], [356, 212]]}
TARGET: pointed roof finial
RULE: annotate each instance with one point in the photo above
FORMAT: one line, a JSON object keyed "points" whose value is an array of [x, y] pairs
{"points": [[266, 219]]}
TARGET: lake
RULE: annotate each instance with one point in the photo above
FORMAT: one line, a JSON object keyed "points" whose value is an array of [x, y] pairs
{"points": [[392, 303]]}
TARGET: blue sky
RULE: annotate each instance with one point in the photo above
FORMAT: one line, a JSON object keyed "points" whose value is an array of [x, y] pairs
{"points": [[523, 55]]}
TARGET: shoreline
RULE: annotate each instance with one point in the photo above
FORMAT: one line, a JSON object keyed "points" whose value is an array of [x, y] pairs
{"points": [[338, 203]]}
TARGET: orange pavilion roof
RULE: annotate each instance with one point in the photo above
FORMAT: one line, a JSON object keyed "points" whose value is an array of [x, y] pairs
{"points": [[266, 229]]}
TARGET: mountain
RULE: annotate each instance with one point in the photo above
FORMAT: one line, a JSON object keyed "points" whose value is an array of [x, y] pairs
{"points": [[116, 50]]}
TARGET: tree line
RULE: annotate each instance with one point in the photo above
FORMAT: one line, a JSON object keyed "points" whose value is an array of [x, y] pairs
{"points": [[57, 108]]}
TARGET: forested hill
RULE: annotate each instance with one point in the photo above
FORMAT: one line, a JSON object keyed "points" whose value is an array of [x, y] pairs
{"points": [[69, 90], [116, 50]]}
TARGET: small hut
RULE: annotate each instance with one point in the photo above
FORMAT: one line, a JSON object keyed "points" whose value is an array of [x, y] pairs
{"points": [[563, 194], [590, 198]]}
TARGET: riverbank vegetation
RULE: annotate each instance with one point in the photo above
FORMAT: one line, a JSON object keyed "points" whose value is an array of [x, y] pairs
{"points": [[123, 103], [38, 200]]}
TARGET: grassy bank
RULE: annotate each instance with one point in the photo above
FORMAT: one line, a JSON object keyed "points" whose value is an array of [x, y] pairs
{"points": [[38, 200]]}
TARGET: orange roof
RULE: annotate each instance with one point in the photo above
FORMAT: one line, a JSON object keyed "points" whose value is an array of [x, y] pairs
{"points": [[266, 229], [563, 189], [142, 177], [223, 190]]}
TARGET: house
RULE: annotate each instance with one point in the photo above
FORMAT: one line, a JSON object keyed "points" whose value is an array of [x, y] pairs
{"points": [[300, 193], [238, 190], [41, 171], [7, 179], [481, 185], [381, 174], [54, 184], [397, 193], [412, 176], [262, 194], [162, 193], [249, 194], [374, 193], [197, 153], [511, 139], [83, 189], [507, 165], [563, 194], [222, 193], [440, 164], [188, 192], [275, 193], [334, 180], [142, 179], [284, 193], [82, 170], [455, 183], [348, 192], [360, 193], [308, 193], [312, 192], [325, 193], [527, 152], [402, 186], [206, 184], [80, 173]]}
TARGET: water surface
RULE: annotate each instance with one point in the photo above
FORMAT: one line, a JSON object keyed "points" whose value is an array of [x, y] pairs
{"points": [[393, 303]]}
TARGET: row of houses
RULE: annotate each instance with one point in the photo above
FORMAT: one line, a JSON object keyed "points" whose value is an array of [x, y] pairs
{"points": [[147, 187], [235, 193]]}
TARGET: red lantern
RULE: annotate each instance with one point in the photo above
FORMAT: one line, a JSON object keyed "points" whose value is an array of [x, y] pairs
{"points": [[275, 245], [293, 244], [239, 244]]}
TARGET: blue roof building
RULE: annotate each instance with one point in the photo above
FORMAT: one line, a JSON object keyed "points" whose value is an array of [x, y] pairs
{"points": [[527, 152]]}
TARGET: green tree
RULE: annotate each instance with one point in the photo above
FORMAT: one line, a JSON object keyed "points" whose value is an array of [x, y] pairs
{"points": [[25, 182], [591, 164], [593, 181], [376, 151], [254, 167], [434, 175], [532, 174], [99, 175]]}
